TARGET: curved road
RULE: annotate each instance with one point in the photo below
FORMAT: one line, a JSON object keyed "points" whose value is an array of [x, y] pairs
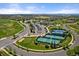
{"points": [[22, 52], [9, 42]]}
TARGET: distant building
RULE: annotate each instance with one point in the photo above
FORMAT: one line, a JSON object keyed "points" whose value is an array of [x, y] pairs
{"points": [[71, 20]]}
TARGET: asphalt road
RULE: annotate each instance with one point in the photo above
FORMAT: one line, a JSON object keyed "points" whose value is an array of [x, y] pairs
{"points": [[10, 40], [22, 52]]}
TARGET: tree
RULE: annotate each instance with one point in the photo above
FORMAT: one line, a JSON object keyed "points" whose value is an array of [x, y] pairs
{"points": [[71, 52], [35, 43], [51, 45], [76, 49], [14, 36], [65, 46], [14, 52], [46, 46]]}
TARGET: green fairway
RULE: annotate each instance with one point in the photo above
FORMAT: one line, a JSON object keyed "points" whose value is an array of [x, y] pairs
{"points": [[9, 27]]}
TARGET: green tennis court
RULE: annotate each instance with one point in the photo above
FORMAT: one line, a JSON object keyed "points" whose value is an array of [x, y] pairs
{"points": [[47, 40], [52, 38]]}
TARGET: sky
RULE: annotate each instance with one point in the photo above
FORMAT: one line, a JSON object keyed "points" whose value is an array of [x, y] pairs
{"points": [[39, 8]]}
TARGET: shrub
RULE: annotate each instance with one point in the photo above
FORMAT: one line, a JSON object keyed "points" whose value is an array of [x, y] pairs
{"points": [[76, 49], [71, 52], [46, 46]]}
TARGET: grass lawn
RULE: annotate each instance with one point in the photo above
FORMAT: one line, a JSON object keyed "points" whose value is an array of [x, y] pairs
{"points": [[66, 41], [60, 21], [50, 28], [75, 27], [28, 42], [9, 27]]}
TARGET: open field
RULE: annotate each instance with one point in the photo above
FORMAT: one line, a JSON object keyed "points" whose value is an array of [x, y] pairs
{"points": [[9, 27]]}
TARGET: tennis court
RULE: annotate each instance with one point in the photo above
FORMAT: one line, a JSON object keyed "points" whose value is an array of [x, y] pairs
{"points": [[58, 32], [52, 38], [47, 40]]}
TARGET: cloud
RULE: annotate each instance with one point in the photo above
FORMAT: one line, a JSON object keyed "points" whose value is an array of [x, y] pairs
{"points": [[32, 8], [17, 9], [14, 11], [65, 11]]}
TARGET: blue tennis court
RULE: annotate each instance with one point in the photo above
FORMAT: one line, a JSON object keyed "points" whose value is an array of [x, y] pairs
{"points": [[58, 32], [54, 37]]}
